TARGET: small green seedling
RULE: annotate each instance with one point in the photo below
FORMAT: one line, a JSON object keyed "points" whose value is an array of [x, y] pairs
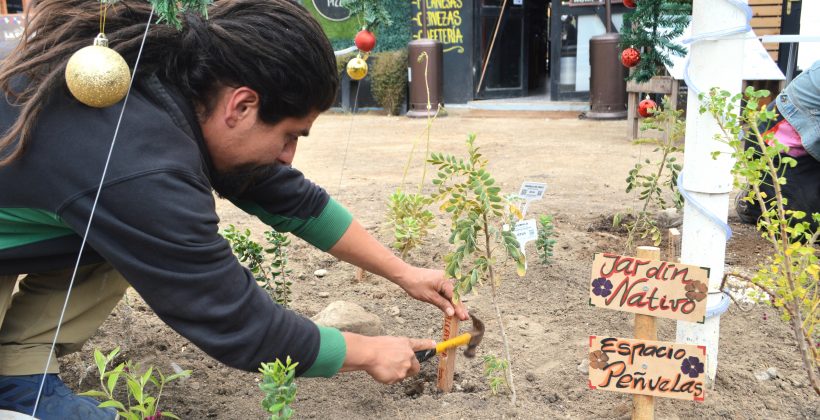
{"points": [[410, 218], [279, 387], [494, 368], [139, 403], [544, 244]]}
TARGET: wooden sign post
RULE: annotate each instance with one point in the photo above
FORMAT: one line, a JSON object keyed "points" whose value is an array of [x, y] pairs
{"points": [[647, 367], [447, 360], [643, 366], [643, 406]]}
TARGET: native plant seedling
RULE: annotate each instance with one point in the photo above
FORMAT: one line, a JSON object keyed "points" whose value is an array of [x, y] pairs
{"points": [[650, 178], [545, 244], [408, 213], [411, 220], [477, 209], [494, 368], [139, 403], [789, 275], [274, 276], [279, 387]]}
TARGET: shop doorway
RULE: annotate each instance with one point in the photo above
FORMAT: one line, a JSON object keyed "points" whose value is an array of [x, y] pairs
{"points": [[518, 62]]}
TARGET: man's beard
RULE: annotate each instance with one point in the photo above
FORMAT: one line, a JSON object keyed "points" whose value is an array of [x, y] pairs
{"points": [[235, 182]]}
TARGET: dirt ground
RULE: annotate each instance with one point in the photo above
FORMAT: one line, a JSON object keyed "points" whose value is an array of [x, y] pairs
{"points": [[360, 159]]}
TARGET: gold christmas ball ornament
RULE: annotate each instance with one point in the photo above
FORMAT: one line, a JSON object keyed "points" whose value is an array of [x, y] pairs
{"points": [[357, 68], [97, 75]]}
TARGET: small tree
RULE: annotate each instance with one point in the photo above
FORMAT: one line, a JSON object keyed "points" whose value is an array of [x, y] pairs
{"points": [[789, 276], [477, 208], [273, 276], [650, 29], [652, 179]]}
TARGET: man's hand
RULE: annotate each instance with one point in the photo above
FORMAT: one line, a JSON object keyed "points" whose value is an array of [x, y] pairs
{"points": [[387, 359], [432, 286], [361, 249]]}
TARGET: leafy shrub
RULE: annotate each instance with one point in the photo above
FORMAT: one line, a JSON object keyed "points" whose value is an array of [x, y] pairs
{"points": [[389, 75]]}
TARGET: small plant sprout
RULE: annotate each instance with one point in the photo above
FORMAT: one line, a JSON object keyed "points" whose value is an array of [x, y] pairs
{"points": [[279, 387], [545, 244], [477, 209], [494, 368], [789, 275], [273, 277], [140, 404], [410, 218], [649, 178]]}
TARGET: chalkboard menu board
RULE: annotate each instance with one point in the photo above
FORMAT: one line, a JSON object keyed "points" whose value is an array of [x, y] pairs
{"points": [[451, 23]]}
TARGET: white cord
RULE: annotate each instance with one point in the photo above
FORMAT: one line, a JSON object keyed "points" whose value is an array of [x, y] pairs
{"points": [[91, 216]]}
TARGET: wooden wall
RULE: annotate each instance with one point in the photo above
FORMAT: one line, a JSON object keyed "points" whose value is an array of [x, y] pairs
{"points": [[766, 20]]}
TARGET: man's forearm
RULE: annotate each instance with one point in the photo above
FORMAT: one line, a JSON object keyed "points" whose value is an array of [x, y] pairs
{"points": [[360, 248]]}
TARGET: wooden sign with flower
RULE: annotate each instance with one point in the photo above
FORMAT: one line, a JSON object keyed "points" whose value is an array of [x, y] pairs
{"points": [[656, 368], [657, 288]]}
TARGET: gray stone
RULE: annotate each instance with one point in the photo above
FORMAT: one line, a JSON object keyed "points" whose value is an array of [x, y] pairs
{"points": [[762, 376], [584, 367], [772, 371], [320, 272], [394, 311], [669, 218], [350, 317]]}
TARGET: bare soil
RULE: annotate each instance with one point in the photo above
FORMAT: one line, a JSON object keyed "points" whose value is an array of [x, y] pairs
{"points": [[360, 159]]}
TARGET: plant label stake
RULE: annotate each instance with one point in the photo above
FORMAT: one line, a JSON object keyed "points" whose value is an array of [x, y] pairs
{"points": [[525, 231], [531, 191], [447, 359]]}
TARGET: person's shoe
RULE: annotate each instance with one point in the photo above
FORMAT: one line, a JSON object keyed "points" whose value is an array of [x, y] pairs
{"points": [[747, 212], [58, 402]]}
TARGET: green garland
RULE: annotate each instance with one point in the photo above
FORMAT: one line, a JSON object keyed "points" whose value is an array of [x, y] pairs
{"points": [[371, 13], [169, 10]]}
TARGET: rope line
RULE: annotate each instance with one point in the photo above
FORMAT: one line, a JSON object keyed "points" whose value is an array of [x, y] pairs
{"points": [[91, 216]]}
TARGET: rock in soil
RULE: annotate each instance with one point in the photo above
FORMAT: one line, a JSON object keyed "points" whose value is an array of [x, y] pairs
{"points": [[348, 316], [320, 273]]}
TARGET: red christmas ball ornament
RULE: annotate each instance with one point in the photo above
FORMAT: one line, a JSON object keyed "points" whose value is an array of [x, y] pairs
{"points": [[365, 40], [630, 57], [630, 3], [646, 107]]}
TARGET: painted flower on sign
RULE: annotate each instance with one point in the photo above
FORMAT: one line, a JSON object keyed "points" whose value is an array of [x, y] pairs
{"points": [[691, 366], [601, 287], [598, 359], [696, 291]]}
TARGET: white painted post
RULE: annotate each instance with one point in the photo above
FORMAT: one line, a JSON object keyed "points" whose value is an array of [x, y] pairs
{"points": [[713, 63]]}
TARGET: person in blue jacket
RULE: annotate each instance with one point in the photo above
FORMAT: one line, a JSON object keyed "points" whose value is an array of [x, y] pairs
{"points": [[798, 127]]}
